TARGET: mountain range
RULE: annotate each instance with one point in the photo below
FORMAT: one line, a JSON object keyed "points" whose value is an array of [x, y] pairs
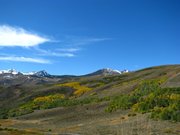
{"points": [[43, 73], [12, 77]]}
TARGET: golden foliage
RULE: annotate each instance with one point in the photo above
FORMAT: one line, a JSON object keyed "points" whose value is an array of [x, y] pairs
{"points": [[175, 96], [49, 98], [79, 89]]}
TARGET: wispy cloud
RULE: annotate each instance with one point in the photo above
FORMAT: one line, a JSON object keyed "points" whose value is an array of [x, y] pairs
{"points": [[48, 53], [43, 52], [16, 36], [20, 37], [63, 54], [86, 41], [81, 41], [24, 59], [68, 49], [71, 46]]}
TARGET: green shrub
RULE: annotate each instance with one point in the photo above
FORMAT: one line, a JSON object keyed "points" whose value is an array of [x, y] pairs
{"points": [[119, 102], [163, 103], [3, 114], [52, 101]]}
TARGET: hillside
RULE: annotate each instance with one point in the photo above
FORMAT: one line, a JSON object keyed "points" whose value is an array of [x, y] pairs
{"points": [[142, 102]]}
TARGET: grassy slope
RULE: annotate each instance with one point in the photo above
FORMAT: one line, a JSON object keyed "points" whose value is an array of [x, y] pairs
{"points": [[84, 117]]}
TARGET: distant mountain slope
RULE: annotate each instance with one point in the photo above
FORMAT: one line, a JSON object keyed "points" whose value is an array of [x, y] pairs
{"points": [[106, 72], [13, 77], [42, 73], [9, 71]]}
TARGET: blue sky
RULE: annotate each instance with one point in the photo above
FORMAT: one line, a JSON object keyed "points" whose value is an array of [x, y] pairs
{"points": [[78, 36]]}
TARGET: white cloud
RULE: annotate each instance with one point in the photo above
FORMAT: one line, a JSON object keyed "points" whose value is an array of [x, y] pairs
{"points": [[68, 49], [73, 41], [48, 53], [15, 36], [62, 54], [97, 39], [24, 59], [43, 52]]}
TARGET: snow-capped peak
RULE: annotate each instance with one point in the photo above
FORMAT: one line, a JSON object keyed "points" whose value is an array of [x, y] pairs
{"points": [[28, 73], [112, 70], [109, 71], [42, 73], [125, 71], [9, 71]]}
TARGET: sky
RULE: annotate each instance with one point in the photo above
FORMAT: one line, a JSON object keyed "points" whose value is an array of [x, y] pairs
{"points": [[80, 36]]}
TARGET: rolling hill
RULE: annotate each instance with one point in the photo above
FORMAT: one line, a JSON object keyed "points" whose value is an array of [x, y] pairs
{"points": [[107, 101]]}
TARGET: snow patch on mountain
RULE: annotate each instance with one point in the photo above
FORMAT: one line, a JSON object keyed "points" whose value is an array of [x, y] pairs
{"points": [[109, 70], [9, 71], [28, 73], [42, 73]]}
